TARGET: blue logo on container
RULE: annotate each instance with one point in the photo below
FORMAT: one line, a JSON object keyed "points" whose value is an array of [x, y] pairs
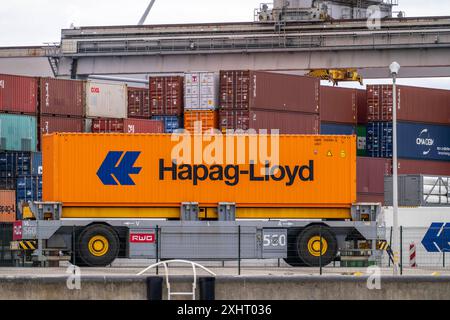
{"points": [[117, 168], [437, 238]]}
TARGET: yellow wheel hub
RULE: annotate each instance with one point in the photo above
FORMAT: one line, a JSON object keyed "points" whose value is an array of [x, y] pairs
{"points": [[314, 246], [98, 246]]}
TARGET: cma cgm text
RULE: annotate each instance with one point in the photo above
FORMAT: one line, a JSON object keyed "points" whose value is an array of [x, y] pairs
{"points": [[231, 174]]}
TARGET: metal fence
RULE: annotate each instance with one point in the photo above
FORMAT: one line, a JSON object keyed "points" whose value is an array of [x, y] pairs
{"points": [[6, 257]]}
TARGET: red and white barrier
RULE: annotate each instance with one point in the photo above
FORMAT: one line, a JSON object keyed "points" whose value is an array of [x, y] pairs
{"points": [[412, 255]]}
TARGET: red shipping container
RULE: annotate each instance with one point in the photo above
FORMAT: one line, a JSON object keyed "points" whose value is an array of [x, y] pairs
{"points": [[18, 94], [251, 90], [437, 168], [370, 198], [61, 97], [139, 103], [414, 104], [166, 95], [127, 126], [361, 106], [338, 105], [286, 122], [51, 124], [370, 174]]}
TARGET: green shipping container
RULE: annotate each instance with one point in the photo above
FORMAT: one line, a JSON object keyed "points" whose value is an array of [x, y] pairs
{"points": [[361, 132], [18, 132]]}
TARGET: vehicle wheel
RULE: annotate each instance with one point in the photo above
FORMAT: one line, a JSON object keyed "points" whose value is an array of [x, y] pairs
{"points": [[308, 246], [98, 246]]}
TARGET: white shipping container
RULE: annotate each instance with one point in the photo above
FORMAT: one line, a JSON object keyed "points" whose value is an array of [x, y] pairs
{"points": [[105, 100], [201, 91]]}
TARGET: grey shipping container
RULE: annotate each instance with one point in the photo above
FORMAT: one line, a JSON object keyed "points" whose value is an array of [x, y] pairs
{"points": [[418, 191], [18, 132]]}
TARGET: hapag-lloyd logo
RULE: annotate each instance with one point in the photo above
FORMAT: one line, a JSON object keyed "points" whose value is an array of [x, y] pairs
{"points": [[425, 141]]}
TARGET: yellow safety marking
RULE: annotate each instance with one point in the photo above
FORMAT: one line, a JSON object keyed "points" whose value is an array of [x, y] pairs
{"points": [[329, 154], [343, 155]]}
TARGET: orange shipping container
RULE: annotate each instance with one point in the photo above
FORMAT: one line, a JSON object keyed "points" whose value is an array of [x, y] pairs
{"points": [[129, 171], [208, 118], [7, 206]]}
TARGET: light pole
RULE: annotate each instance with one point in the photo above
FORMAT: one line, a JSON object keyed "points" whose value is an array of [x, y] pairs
{"points": [[395, 68]]}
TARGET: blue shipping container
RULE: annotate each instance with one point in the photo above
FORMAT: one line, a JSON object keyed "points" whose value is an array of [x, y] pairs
{"points": [[29, 188], [337, 129], [18, 132], [415, 141], [171, 123], [14, 164]]}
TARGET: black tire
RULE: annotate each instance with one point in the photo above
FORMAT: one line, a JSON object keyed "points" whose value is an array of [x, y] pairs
{"points": [[292, 255], [83, 251], [302, 246]]}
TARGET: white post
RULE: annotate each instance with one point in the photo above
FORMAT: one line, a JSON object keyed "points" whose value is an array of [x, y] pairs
{"points": [[395, 67]]}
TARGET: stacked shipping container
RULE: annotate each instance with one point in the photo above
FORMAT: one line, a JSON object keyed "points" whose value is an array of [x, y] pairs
{"points": [[262, 100]]}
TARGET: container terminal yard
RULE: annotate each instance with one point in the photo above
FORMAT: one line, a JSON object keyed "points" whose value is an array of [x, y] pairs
{"points": [[301, 155]]}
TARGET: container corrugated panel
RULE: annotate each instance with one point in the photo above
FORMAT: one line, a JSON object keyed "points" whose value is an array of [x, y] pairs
{"points": [[14, 164], [370, 175], [208, 120], [338, 105], [171, 123], [337, 128], [379, 139], [361, 106], [105, 100], [201, 91], [18, 132], [414, 104], [139, 103], [251, 90], [285, 122], [18, 94], [29, 188], [438, 168], [166, 96], [127, 126], [370, 198], [310, 188], [51, 124], [8, 183], [7, 206], [61, 97]]}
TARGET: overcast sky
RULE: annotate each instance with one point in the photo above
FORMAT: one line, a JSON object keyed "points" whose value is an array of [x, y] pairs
{"points": [[32, 22]]}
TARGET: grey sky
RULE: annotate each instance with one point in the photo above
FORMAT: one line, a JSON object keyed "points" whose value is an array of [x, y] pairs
{"points": [[32, 22]]}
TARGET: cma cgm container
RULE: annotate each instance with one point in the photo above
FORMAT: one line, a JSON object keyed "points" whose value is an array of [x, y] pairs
{"points": [[379, 139], [18, 94], [139, 103], [285, 122], [201, 91], [208, 119], [171, 123], [18, 132], [250, 90], [105, 100], [338, 105], [14, 164], [7, 206], [414, 104], [127, 126], [166, 96], [61, 97], [153, 169]]}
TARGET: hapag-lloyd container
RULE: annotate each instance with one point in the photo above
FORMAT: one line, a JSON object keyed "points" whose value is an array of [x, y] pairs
{"points": [[139, 103], [127, 126], [437, 168], [18, 94], [285, 122], [415, 104], [7, 206], [338, 105], [201, 91], [209, 120], [86, 152], [105, 100], [370, 175], [18, 132], [250, 90], [166, 95], [61, 97]]}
